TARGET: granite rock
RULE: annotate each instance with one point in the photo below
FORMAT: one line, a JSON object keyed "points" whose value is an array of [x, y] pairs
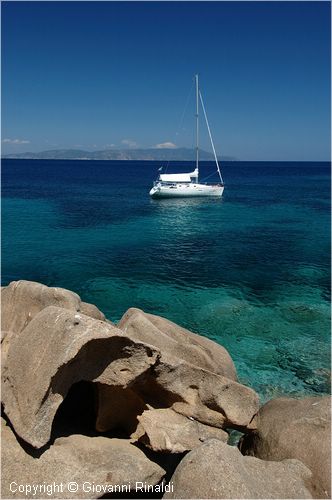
{"points": [[165, 430], [87, 461], [22, 300], [299, 429], [148, 363], [178, 342], [217, 470], [54, 351]]}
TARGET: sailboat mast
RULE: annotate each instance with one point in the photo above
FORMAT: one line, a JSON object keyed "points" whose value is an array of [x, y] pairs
{"points": [[197, 125]]}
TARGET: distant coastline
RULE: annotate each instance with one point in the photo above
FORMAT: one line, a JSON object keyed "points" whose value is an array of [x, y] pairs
{"points": [[155, 154]]}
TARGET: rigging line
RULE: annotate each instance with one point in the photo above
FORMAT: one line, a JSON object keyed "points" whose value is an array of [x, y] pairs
{"points": [[208, 177], [208, 127], [182, 117]]}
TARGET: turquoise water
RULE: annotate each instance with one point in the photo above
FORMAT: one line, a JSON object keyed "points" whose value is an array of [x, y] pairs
{"points": [[250, 271]]}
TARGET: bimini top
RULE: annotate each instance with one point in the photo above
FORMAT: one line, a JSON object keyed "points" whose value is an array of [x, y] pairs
{"points": [[179, 177]]}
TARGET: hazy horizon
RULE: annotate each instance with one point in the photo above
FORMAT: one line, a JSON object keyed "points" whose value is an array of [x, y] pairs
{"points": [[119, 75]]}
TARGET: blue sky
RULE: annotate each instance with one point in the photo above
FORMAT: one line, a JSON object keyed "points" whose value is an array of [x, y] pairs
{"points": [[94, 75]]}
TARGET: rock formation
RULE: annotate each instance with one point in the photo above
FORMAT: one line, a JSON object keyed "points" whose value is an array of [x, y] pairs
{"points": [[83, 460], [162, 389], [166, 430], [59, 347], [178, 342], [217, 470], [292, 428], [54, 351], [193, 371], [22, 300]]}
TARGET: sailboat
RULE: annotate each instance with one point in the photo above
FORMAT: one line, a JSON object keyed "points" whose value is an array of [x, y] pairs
{"points": [[187, 184]]}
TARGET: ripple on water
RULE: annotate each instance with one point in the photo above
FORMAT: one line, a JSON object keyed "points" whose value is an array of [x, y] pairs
{"points": [[251, 271]]}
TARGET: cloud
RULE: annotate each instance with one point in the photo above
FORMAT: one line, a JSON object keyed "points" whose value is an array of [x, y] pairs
{"points": [[166, 145], [129, 143], [15, 141]]}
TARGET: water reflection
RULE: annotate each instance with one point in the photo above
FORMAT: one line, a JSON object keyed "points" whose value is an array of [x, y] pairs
{"points": [[177, 203], [185, 215]]}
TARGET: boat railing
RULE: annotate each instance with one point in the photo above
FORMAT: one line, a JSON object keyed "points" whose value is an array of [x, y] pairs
{"points": [[166, 183], [211, 183]]}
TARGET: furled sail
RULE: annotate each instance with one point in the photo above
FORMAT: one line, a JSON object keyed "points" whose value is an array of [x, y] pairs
{"points": [[187, 177]]}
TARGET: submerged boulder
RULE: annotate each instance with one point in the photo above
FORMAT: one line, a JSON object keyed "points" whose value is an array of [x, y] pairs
{"points": [[295, 428], [217, 470], [97, 465]]}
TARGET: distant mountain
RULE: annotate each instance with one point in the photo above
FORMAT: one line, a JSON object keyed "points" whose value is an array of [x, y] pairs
{"points": [[157, 154]]}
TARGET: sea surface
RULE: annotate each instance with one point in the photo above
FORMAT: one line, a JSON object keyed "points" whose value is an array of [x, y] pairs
{"points": [[250, 271]]}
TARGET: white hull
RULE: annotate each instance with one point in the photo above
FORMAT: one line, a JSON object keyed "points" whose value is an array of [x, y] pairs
{"points": [[185, 185], [186, 190]]}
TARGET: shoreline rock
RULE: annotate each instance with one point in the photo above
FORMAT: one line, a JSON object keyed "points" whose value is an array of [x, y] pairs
{"points": [[165, 430], [57, 349], [150, 392], [162, 366], [217, 470], [295, 429], [22, 300], [76, 458], [178, 342]]}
